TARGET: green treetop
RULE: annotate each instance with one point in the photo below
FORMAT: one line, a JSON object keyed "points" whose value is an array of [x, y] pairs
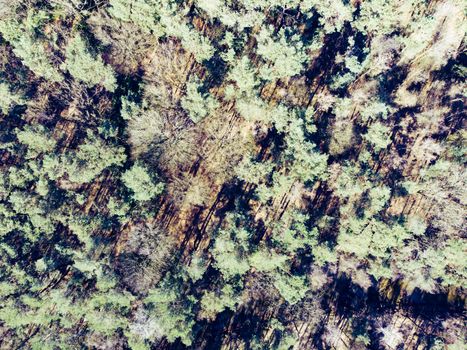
{"points": [[143, 187], [84, 67], [8, 99], [285, 55], [378, 136], [198, 104]]}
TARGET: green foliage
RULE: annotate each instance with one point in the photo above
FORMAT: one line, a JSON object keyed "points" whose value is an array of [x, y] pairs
{"points": [[27, 47], [291, 288], [323, 255], [218, 9], [192, 41], [230, 251], [84, 67], [416, 225], [138, 180], [91, 158], [378, 17], [363, 339], [254, 109], [333, 14], [286, 55], [8, 99], [287, 341], [243, 74], [142, 13], [173, 314], [378, 136], [163, 18], [267, 120], [37, 139], [447, 263], [378, 198], [196, 268], [254, 172], [295, 235], [265, 261], [197, 104], [119, 209], [213, 303], [374, 110], [372, 242], [459, 344], [308, 164]]}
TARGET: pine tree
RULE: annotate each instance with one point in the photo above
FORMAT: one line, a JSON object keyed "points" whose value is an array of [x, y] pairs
{"points": [[138, 180], [84, 67], [197, 104], [27, 47], [8, 99], [91, 158], [378, 136], [286, 56]]}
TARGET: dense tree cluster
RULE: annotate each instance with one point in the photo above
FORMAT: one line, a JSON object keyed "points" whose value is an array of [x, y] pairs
{"points": [[244, 174]]}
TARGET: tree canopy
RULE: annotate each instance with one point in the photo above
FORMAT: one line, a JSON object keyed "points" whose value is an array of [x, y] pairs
{"points": [[247, 174]]}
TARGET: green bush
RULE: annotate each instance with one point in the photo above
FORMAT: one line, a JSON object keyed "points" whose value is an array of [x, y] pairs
{"points": [[83, 66], [378, 136], [143, 187], [197, 104], [28, 48], [8, 99], [285, 56], [37, 139], [91, 158]]}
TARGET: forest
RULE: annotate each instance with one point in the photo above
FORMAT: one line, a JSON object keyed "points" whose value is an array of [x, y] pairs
{"points": [[233, 174]]}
